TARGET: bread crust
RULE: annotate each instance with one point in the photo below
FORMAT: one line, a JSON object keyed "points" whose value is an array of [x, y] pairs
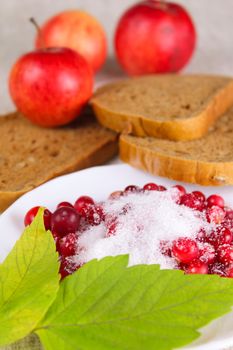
{"points": [[179, 169], [177, 130]]}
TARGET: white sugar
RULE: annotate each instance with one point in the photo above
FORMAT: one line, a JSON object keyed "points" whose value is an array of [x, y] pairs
{"points": [[143, 221]]}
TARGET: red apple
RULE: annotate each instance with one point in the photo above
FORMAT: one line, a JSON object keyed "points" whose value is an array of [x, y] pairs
{"points": [[154, 37], [51, 86], [79, 31]]}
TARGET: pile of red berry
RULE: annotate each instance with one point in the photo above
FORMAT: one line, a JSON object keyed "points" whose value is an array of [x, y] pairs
{"points": [[208, 252], [66, 224]]}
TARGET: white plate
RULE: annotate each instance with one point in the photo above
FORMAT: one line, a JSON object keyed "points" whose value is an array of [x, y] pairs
{"points": [[99, 182]]}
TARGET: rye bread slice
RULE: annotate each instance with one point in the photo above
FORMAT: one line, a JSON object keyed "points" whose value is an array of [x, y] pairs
{"points": [[30, 155], [206, 161], [174, 107]]}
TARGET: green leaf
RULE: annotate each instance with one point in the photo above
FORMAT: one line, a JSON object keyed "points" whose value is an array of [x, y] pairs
{"points": [[29, 281], [106, 305]]}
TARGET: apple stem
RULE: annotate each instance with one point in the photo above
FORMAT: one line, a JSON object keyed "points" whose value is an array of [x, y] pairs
{"points": [[41, 37]]}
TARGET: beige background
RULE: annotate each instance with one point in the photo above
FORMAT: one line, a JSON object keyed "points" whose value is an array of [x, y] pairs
{"points": [[213, 20]]}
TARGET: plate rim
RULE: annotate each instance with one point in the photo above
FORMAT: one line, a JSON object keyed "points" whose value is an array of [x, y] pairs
{"points": [[214, 344]]}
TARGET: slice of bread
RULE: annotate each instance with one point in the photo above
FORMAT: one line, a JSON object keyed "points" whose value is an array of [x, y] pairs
{"points": [[174, 107], [30, 155], [207, 161]]}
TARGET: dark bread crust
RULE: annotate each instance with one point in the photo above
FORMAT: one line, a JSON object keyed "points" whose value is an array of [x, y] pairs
{"points": [[30, 155]]}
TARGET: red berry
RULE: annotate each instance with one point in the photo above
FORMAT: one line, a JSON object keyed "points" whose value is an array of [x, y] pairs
{"points": [[161, 188], [64, 204], [190, 200], [201, 236], [211, 238], [83, 225], [199, 195], [83, 204], [67, 245], [197, 267], [181, 266], [151, 187], [125, 209], [56, 238], [67, 267], [224, 236], [176, 195], [229, 271], [219, 237], [92, 212], [228, 221], [185, 250], [111, 231], [63, 269], [181, 189], [116, 195], [207, 253], [215, 200], [132, 188], [31, 214], [165, 248], [47, 219], [225, 254], [111, 224], [95, 214], [218, 269], [65, 220], [229, 215], [215, 214]]}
